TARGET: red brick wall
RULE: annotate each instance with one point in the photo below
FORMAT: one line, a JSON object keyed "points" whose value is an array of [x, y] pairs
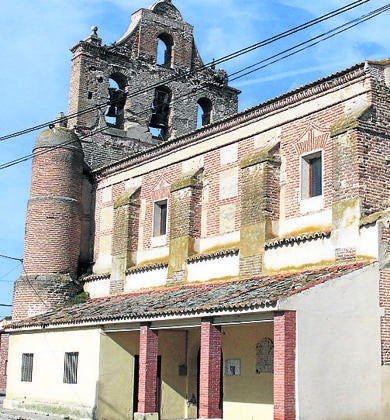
{"points": [[53, 221], [3, 359], [210, 371], [147, 386], [284, 365]]}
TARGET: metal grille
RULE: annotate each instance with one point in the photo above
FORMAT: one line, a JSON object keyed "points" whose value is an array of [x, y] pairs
{"points": [[27, 367], [70, 367]]}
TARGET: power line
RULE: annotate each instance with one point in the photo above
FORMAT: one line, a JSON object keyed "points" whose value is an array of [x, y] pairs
{"points": [[329, 34], [282, 55], [228, 57], [11, 258]]}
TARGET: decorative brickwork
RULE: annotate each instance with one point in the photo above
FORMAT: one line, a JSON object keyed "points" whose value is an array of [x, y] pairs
{"points": [[210, 371], [125, 237], [147, 385], [284, 365]]}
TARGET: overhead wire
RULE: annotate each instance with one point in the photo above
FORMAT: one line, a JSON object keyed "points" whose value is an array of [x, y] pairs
{"points": [[319, 38], [282, 55], [177, 77]]}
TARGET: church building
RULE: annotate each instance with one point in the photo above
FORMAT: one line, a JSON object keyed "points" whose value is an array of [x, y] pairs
{"points": [[186, 261]]}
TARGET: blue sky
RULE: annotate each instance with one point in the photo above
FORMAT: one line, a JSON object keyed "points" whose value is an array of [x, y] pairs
{"points": [[35, 37]]}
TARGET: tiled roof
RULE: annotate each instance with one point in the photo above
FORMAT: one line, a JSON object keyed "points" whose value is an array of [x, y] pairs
{"points": [[187, 300]]}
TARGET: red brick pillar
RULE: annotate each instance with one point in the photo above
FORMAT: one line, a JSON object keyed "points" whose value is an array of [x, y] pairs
{"points": [[210, 371], [147, 386], [284, 365]]}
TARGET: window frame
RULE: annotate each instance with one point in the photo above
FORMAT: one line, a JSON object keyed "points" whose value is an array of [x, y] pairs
{"points": [[308, 172], [160, 218], [27, 367], [71, 365]]}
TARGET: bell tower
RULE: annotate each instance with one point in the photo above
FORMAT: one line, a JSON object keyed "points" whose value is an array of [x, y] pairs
{"points": [[148, 87]]}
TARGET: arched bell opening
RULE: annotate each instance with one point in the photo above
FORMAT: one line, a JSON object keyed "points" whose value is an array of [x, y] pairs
{"points": [[205, 109], [160, 112], [116, 101]]}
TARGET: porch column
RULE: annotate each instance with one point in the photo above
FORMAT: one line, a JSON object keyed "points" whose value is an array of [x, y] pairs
{"points": [[284, 365], [210, 371], [147, 385]]}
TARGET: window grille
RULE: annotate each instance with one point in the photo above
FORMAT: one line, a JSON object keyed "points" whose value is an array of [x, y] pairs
{"points": [[27, 367], [70, 367]]}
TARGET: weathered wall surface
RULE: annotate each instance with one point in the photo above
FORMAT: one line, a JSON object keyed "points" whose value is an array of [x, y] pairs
{"points": [[340, 317]]}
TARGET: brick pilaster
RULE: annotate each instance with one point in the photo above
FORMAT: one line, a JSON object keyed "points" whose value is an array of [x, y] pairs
{"points": [[125, 237], [147, 386], [284, 365], [259, 206], [210, 371], [184, 225]]}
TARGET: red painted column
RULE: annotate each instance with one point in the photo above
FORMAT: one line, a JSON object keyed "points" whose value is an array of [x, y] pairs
{"points": [[284, 365], [210, 371], [147, 386]]}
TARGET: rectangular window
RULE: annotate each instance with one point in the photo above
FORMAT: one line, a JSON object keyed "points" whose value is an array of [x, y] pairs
{"points": [[70, 367], [311, 175], [160, 218], [27, 367]]}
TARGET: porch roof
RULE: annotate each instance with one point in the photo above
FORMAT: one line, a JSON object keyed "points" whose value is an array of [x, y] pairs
{"points": [[259, 293]]}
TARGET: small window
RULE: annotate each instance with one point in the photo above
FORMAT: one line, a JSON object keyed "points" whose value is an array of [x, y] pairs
{"points": [[311, 176], [27, 367], [160, 218], [70, 367]]}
